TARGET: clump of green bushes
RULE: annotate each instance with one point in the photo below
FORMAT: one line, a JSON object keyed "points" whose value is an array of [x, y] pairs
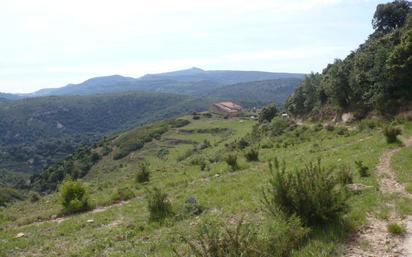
{"points": [[396, 229], [74, 196], [277, 237], [143, 173], [231, 160], [313, 193], [191, 207], [391, 134], [158, 205], [363, 170], [252, 154], [122, 194]]}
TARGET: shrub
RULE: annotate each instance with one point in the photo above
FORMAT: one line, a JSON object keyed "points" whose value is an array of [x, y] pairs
{"points": [[196, 117], [341, 131], [159, 206], [313, 193], [123, 194], [211, 241], [366, 124], [396, 229], [278, 238], [8, 195], [231, 160], [267, 113], [344, 175], [362, 169], [207, 115], [192, 207], [205, 144], [34, 197], [252, 155], [179, 123], [391, 134], [143, 173], [74, 196], [318, 127], [278, 126], [242, 143]]}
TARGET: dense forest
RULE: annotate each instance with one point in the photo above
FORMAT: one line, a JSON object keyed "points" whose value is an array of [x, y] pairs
{"points": [[257, 93], [36, 132], [374, 78]]}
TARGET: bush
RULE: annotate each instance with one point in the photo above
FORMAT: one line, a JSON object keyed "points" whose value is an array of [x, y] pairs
{"points": [[231, 160], [211, 241], [341, 131], [74, 196], [192, 207], [34, 197], [344, 175], [391, 134], [159, 206], [252, 155], [363, 170], [123, 194], [267, 113], [280, 125], [314, 193], [367, 124], [396, 229], [278, 238], [143, 173], [242, 143]]}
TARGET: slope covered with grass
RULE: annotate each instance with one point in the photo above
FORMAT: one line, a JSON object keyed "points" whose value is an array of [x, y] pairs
{"points": [[189, 162]]}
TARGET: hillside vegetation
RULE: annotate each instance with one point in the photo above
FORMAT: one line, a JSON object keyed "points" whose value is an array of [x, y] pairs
{"points": [[375, 77], [198, 181], [36, 132]]}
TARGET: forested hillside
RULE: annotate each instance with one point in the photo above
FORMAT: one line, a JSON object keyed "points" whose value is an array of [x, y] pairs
{"points": [[257, 93], [375, 77], [36, 132]]}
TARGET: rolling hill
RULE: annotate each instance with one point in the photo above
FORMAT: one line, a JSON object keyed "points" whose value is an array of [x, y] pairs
{"points": [[35, 132], [192, 81]]}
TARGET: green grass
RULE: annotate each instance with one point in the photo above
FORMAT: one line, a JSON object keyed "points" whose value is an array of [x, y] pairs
{"points": [[396, 229], [124, 230]]}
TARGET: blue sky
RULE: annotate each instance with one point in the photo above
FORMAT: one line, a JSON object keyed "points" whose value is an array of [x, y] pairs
{"points": [[49, 43]]}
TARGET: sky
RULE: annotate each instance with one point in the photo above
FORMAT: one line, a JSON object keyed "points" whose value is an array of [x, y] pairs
{"points": [[51, 43]]}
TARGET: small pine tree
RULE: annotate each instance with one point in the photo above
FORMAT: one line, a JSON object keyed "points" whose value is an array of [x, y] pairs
{"points": [[314, 193], [74, 196], [159, 206], [143, 174]]}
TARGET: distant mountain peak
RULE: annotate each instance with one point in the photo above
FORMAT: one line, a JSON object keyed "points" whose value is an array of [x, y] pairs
{"points": [[185, 72]]}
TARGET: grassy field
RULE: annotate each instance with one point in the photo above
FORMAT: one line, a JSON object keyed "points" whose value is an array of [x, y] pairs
{"points": [[227, 196]]}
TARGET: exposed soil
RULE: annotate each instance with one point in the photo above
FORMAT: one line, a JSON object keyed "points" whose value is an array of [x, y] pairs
{"points": [[373, 239]]}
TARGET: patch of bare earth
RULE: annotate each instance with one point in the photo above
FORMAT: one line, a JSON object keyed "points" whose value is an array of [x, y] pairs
{"points": [[373, 239]]}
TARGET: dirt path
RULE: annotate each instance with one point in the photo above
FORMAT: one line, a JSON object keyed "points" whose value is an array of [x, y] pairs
{"points": [[373, 239], [95, 210]]}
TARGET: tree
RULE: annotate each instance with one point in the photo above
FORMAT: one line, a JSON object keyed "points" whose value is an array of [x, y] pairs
{"points": [[400, 66], [74, 196], [268, 113], [391, 15]]}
